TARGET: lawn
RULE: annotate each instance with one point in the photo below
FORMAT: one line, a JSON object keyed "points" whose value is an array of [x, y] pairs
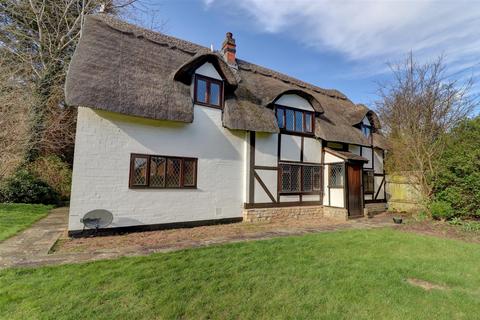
{"points": [[15, 217], [356, 274]]}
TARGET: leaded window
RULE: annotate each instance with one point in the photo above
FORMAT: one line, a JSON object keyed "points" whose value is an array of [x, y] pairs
{"points": [[300, 178], [336, 175], [368, 182], [151, 171]]}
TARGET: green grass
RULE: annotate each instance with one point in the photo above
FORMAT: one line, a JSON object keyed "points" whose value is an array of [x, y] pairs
{"points": [[15, 217], [358, 274]]}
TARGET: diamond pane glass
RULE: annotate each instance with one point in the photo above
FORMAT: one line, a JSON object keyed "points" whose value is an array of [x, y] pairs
{"points": [[317, 178], [139, 171], [157, 172], [173, 173], [368, 181], [336, 174], [214, 93], [290, 178], [289, 119], [299, 121], [201, 90], [280, 120], [189, 173], [308, 179], [308, 122]]}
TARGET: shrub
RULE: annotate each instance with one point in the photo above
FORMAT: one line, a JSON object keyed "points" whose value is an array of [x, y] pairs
{"points": [[457, 179], [56, 173], [25, 187], [441, 210]]}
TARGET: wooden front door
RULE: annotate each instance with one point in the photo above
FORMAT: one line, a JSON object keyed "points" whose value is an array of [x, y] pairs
{"points": [[354, 180]]}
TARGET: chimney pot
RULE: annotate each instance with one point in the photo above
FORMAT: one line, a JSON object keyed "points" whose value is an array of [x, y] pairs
{"points": [[229, 49]]}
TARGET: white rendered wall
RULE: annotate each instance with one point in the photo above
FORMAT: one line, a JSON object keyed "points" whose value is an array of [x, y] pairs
{"points": [[377, 183], [269, 178], [330, 158], [104, 142], [290, 147], [366, 122], [294, 101], [208, 70], [378, 160], [367, 154], [266, 149], [312, 150]]}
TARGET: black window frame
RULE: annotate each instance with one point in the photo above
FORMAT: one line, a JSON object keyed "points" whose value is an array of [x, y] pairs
{"points": [[147, 184], [208, 81], [284, 129], [301, 183]]}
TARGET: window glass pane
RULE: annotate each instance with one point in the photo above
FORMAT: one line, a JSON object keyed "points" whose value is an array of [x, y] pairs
{"points": [[280, 121], [295, 178], [366, 131], [317, 178], [308, 179], [173, 173], [336, 174], [157, 172], [189, 173], [289, 119], [299, 121], [368, 180], [201, 90], [308, 122], [139, 171], [290, 178], [285, 178], [214, 93]]}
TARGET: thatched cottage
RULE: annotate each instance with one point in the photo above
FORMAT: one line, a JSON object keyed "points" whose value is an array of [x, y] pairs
{"points": [[171, 133]]}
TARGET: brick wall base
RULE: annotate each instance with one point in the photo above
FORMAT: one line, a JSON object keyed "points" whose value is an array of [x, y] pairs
{"points": [[281, 213], [340, 214]]}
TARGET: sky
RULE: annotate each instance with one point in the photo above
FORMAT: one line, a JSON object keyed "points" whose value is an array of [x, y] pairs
{"points": [[344, 45]]}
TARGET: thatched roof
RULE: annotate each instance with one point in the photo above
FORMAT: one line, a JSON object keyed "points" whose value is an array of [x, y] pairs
{"points": [[122, 68]]}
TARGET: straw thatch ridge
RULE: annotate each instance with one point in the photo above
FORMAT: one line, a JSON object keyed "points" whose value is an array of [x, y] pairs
{"points": [[122, 68]]}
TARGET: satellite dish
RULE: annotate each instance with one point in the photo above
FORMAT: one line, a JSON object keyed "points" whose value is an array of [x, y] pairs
{"points": [[96, 219]]}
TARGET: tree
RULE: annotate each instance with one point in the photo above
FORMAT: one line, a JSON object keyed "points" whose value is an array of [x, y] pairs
{"points": [[37, 40], [458, 177], [417, 108]]}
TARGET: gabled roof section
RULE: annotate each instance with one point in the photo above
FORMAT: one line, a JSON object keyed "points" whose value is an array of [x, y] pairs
{"points": [[361, 111], [122, 68], [345, 155], [184, 72], [304, 94]]}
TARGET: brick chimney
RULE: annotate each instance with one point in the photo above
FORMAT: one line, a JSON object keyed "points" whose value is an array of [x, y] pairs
{"points": [[229, 49]]}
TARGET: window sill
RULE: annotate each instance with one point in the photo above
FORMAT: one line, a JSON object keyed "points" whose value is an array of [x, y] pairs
{"points": [[203, 104], [161, 188]]}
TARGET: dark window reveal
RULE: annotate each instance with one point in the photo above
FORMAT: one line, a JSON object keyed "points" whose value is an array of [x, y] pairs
{"points": [[294, 120], [368, 181], [300, 178], [208, 91], [149, 171]]}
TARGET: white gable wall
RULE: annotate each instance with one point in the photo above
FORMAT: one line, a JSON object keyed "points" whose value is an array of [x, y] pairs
{"points": [[104, 142], [294, 101], [208, 70]]}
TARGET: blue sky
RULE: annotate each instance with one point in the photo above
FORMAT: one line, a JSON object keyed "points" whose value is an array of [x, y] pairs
{"points": [[344, 45]]}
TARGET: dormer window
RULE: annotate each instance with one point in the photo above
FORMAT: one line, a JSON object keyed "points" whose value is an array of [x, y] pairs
{"points": [[367, 130], [208, 91], [294, 120]]}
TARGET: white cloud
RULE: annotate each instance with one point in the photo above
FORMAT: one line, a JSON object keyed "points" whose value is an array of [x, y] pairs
{"points": [[373, 31]]}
